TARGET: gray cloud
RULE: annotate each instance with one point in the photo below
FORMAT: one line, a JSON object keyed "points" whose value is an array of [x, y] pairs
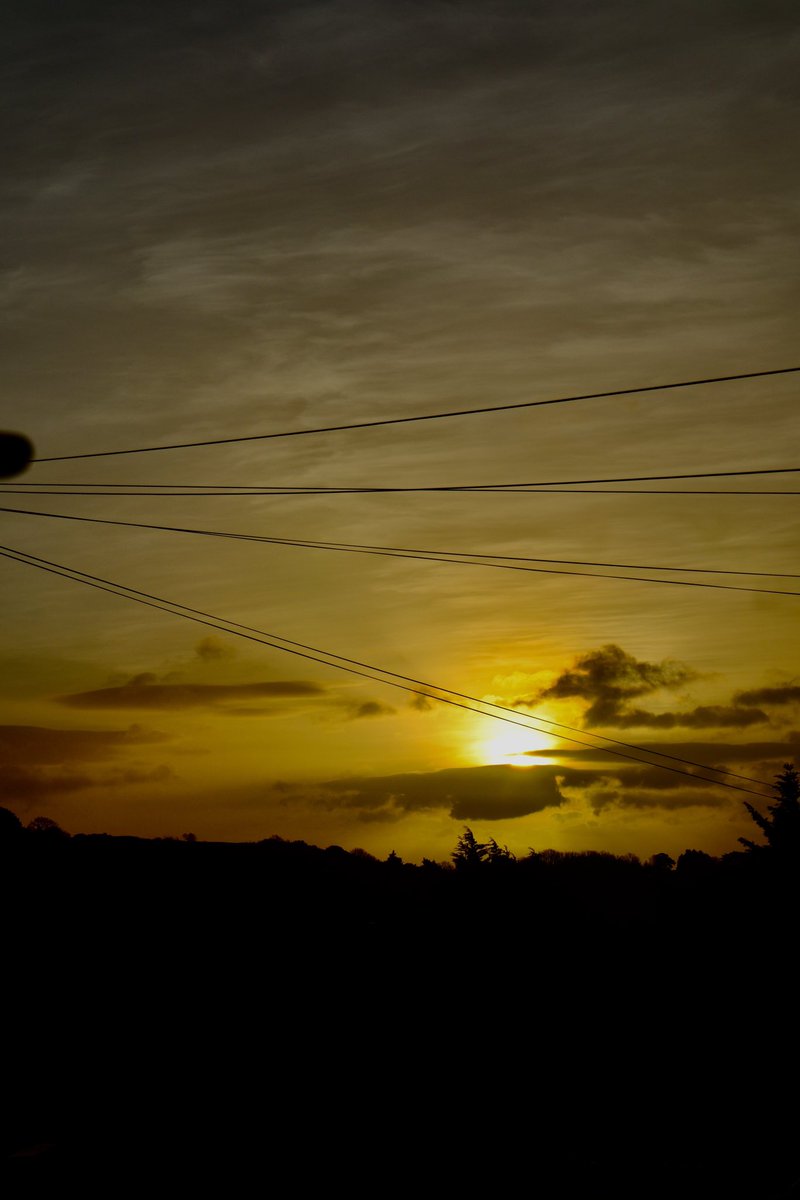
{"points": [[708, 753], [25, 786], [708, 716], [647, 788], [142, 693], [609, 677], [212, 649], [469, 793], [627, 779], [677, 799], [371, 708], [356, 206], [787, 693], [529, 153], [40, 764], [28, 744]]}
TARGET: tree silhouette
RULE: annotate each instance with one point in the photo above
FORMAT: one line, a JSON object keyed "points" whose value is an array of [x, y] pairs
{"points": [[469, 852], [47, 827], [10, 824], [499, 855], [781, 827]]}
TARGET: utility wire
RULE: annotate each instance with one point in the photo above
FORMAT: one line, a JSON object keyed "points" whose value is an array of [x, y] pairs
{"points": [[457, 557], [318, 489], [534, 489], [464, 412], [352, 666]]}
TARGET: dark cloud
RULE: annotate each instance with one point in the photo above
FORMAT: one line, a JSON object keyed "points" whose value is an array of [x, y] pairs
{"points": [[126, 775], [421, 704], [38, 762], [677, 799], [371, 708], [708, 716], [654, 778], [28, 744], [212, 649], [646, 788], [787, 693], [142, 692], [21, 785], [708, 753], [469, 793], [609, 677], [605, 781]]}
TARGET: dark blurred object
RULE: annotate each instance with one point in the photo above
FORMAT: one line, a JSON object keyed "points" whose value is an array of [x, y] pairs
{"points": [[16, 452]]}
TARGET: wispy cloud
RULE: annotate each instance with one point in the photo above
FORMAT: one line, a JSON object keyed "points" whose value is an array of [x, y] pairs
{"points": [[141, 693], [36, 744], [213, 649], [705, 716], [645, 788], [371, 708], [707, 753], [41, 764], [783, 694]]}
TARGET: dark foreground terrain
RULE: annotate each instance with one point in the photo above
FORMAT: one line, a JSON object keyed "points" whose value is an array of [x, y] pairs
{"points": [[555, 1026]]}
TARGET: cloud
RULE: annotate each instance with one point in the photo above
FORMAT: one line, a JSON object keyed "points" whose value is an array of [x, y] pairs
{"points": [[371, 708], [469, 793], [680, 798], [142, 692], [646, 788], [705, 753], [787, 693], [421, 704], [40, 764], [709, 716], [609, 778], [126, 775], [609, 677], [33, 744], [212, 649], [20, 785], [661, 779]]}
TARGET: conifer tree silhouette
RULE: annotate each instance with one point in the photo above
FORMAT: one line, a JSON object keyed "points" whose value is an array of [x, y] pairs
{"points": [[469, 852], [781, 827]]}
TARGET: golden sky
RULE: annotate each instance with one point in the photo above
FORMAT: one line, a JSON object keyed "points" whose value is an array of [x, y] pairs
{"points": [[236, 219]]}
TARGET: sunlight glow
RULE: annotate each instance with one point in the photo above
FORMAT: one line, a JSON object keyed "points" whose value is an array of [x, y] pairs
{"points": [[509, 745]]}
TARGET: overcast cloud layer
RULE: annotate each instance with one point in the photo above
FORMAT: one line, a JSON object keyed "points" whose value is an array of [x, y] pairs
{"points": [[240, 218]]}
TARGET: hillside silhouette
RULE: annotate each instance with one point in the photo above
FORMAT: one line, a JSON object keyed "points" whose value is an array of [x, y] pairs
{"points": [[592, 1020]]}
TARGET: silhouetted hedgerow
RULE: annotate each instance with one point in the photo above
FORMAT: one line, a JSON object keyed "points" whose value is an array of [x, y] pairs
{"points": [[312, 999]]}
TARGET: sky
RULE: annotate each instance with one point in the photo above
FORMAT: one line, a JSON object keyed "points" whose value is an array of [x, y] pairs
{"points": [[232, 219]]}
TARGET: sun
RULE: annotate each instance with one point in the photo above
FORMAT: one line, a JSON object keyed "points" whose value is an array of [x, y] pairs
{"points": [[512, 745]]}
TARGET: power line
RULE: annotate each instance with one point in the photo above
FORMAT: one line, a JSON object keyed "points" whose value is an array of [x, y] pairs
{"points": [[464, 412], [223, 491], [449, 487], [454, 557], [319, 489], [327, 658]]}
